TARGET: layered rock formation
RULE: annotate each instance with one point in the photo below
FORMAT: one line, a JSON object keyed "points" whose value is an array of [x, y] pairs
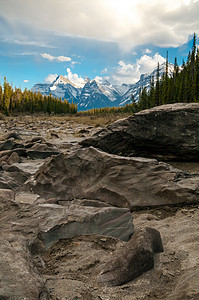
{"points": [[169, 132], [119, 181]]}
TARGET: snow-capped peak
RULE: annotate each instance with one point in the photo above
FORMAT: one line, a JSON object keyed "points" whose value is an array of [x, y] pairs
{"points": [[97, 93], [75, 83]]}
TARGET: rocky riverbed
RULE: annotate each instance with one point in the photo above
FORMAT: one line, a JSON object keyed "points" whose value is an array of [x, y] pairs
{"points": [[92, 212]]}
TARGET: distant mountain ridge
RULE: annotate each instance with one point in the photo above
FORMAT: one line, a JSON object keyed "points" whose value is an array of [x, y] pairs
{"points": [[92, 94]]}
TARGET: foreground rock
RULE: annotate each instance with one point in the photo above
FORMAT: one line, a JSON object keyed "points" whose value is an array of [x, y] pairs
{"points": [[169, 131], [28, 230], [19, 277], [70, 267], [119, 181], [133, 259]]}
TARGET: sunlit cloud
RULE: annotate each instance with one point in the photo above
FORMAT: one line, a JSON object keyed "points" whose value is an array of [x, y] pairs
{"points": [[75, 78], [130, 73], [56, 58], [50, 78], [147, 51], [162, 23]]}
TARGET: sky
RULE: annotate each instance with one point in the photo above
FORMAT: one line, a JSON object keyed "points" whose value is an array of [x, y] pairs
{"points": [[114, 40]]}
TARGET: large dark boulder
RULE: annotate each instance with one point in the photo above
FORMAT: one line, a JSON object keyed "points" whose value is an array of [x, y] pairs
{"points": [[133, 259], [120, 181], [170, 132]]}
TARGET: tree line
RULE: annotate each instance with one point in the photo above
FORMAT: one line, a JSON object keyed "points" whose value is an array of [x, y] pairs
{"points": [[16, 100], [182, 86]]}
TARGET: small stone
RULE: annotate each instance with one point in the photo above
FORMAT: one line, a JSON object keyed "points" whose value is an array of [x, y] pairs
{"points": [[6, 194], [14, 158], [13, 135], [3, 158]]}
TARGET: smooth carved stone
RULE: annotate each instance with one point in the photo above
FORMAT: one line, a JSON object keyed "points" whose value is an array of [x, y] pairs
{"points": [[169, 131], [120, 181], [133, 259], [62, 222]]}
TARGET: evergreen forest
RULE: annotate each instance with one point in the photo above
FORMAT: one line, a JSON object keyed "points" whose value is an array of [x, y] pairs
{"points": [[182, 86], [18, 101]]}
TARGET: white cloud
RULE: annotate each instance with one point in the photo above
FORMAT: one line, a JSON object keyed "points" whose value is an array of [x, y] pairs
{"points": [[98, 79], [160, 22], [75, 78], [56, 58], [26, 80], [63, 58], [27, 43], [75, 62], [50, 78], [47, 56], [130, 73], [123, 73], [147, 51], [104, 71]]}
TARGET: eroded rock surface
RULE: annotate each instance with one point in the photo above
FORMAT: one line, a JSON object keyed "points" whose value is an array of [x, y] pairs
{"points": [[133, 259], [119, 181], [28, 230], [77, 261], [170, 131], [38, 259]]}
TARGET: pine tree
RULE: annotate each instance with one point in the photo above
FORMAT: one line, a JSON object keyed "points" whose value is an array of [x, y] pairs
{"points": [[1, 98], [157, 86]]}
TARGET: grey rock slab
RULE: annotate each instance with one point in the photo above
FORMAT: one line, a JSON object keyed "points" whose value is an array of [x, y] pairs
{"points": [[34, 154], [169, 131], [30, 166], [119, 181], [132, 259], [18, 276], [14, 158], [6, 194], [19, 279], [13, 179], [61, 222], [27, 198]]}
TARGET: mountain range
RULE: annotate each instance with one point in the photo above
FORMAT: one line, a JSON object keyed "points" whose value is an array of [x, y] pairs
{"points": [[94, 94]]}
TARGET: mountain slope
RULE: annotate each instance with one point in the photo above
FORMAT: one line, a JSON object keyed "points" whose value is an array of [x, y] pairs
{"points": [[92, 94]]}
